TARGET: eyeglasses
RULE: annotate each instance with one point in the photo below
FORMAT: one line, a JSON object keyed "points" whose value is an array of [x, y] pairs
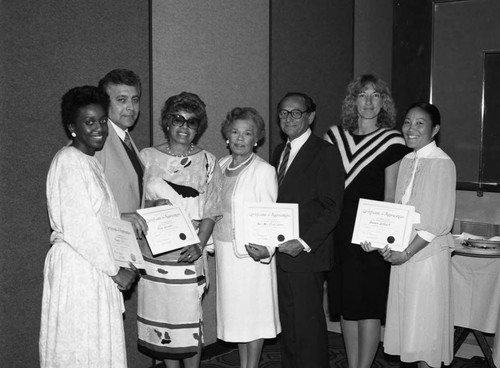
{"points": [[296, 114], [179, 121]]}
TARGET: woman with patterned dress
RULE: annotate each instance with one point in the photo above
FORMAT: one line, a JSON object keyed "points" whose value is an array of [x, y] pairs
{"points": [[419, 323], [82, 322], [247, 299], [371, 152], [179, 173]]}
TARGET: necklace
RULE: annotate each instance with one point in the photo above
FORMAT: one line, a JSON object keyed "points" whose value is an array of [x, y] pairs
{"points": [[187, 153], [240, 165]]}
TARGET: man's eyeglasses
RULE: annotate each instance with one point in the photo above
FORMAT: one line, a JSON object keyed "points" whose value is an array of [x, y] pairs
{"points": [[296, 114], [179, 120]]}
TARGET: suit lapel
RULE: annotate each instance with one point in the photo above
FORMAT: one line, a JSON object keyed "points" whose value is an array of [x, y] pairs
{"points": [[300, 162], [122, 154]]}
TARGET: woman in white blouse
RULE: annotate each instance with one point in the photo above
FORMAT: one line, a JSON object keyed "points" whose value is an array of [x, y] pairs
{"points": [[419, 324]]}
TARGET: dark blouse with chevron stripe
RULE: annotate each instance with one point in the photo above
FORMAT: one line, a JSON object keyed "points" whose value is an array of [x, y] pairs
{"points": [[359, 282]]}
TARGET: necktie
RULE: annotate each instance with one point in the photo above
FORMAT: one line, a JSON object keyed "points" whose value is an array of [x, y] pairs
{"points": [[127, 141], [284, 162]]}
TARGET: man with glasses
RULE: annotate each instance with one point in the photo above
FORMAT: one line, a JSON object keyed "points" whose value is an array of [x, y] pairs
{"points": [[310, 173]]}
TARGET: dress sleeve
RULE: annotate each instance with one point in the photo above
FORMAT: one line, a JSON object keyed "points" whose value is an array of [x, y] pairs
{"points": [[394, 153], [266, 184], [266, 189], [211, 205], [436, 199], [72, 211]]}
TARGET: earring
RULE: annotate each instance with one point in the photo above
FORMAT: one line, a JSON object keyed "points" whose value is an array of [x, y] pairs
{"points": [[227, 141], [73, 134], [255, 145]]}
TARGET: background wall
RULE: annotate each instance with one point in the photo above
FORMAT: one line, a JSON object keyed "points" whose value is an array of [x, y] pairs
{"points": [[411, 81], [462, 31], [311, 52], [47, 48], [373, 38], [219, 50]]}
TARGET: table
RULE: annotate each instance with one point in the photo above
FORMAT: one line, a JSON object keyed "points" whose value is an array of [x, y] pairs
{"points": [[476, 289]]}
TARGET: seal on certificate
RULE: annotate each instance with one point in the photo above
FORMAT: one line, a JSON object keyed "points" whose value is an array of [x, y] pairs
{"points": [[390, 239], [281, 238], [182, 236]]}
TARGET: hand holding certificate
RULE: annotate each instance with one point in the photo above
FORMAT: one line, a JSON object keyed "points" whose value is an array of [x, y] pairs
{"points": [[382, 223], [169, 228], [121, 238], [271, 223]]}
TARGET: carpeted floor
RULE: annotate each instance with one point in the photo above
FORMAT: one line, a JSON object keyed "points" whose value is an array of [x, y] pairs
{"points": [[271, 357]]}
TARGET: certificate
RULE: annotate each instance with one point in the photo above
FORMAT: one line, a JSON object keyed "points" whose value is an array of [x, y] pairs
{"points": [[269, 224], [121, 238], [382, 223], [169, 228]]}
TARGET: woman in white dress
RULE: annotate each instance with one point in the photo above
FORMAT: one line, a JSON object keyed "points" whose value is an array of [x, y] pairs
{"points": [[419, 324], [81, 322], [247, 302]]}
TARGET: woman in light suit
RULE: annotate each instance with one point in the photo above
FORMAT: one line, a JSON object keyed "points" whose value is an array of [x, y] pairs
{"points": [[247, 301]]}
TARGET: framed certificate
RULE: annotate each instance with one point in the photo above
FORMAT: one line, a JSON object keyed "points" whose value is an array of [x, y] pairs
{"points": [[270, 224], [121, 238], [169, 228], [382, 223]]}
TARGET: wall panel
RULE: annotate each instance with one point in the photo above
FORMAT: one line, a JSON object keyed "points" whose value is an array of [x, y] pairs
{"points": [[311, 52], [47, 48], [219, 50]]}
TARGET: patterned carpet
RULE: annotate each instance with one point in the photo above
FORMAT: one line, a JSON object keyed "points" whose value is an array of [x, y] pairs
{"points": [[271, 357]]}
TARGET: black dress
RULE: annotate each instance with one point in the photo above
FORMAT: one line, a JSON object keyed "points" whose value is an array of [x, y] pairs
{"points": [[359, 281]]}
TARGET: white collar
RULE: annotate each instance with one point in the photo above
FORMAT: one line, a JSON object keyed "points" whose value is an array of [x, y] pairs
{"points": [[118, 130], [298, 142], [425, 151]]}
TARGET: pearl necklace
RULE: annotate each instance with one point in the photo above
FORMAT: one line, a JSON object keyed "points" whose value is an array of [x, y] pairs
{"points": [[240, 165], [189, 150]]}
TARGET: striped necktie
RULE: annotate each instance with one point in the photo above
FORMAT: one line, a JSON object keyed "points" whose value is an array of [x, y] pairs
{"points": [[127, 141], [284, 163]]}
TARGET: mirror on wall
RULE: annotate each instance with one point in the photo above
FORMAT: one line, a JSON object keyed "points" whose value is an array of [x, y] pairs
{"points": [[489, 168]]}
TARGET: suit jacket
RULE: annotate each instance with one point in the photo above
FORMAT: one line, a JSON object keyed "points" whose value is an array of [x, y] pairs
{"points": [[314, 180], [120, 173]]}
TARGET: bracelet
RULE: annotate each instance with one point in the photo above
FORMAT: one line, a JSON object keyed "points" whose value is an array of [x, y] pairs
{"points": [[408, 253]]}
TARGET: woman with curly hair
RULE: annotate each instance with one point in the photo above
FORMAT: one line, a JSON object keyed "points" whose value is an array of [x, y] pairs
{"points": [[371, 153], [178, 172]]}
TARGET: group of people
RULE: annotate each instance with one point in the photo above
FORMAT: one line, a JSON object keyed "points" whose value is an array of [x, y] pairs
{"points": [[409, 291], [263, 290]]}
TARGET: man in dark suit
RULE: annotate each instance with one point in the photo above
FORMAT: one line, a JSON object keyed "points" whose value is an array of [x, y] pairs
{"points": [[310, 173]]}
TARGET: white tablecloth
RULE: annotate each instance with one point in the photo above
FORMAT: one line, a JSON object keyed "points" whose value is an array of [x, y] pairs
{"points": [[476, 288]]}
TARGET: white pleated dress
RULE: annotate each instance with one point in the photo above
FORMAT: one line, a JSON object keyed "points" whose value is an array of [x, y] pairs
{"points": [[81, 321]]}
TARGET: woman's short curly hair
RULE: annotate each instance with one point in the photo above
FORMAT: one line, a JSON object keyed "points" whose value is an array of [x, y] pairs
{"points": [[187, 102], [244, 113], [79, 97], [387, 115]]}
